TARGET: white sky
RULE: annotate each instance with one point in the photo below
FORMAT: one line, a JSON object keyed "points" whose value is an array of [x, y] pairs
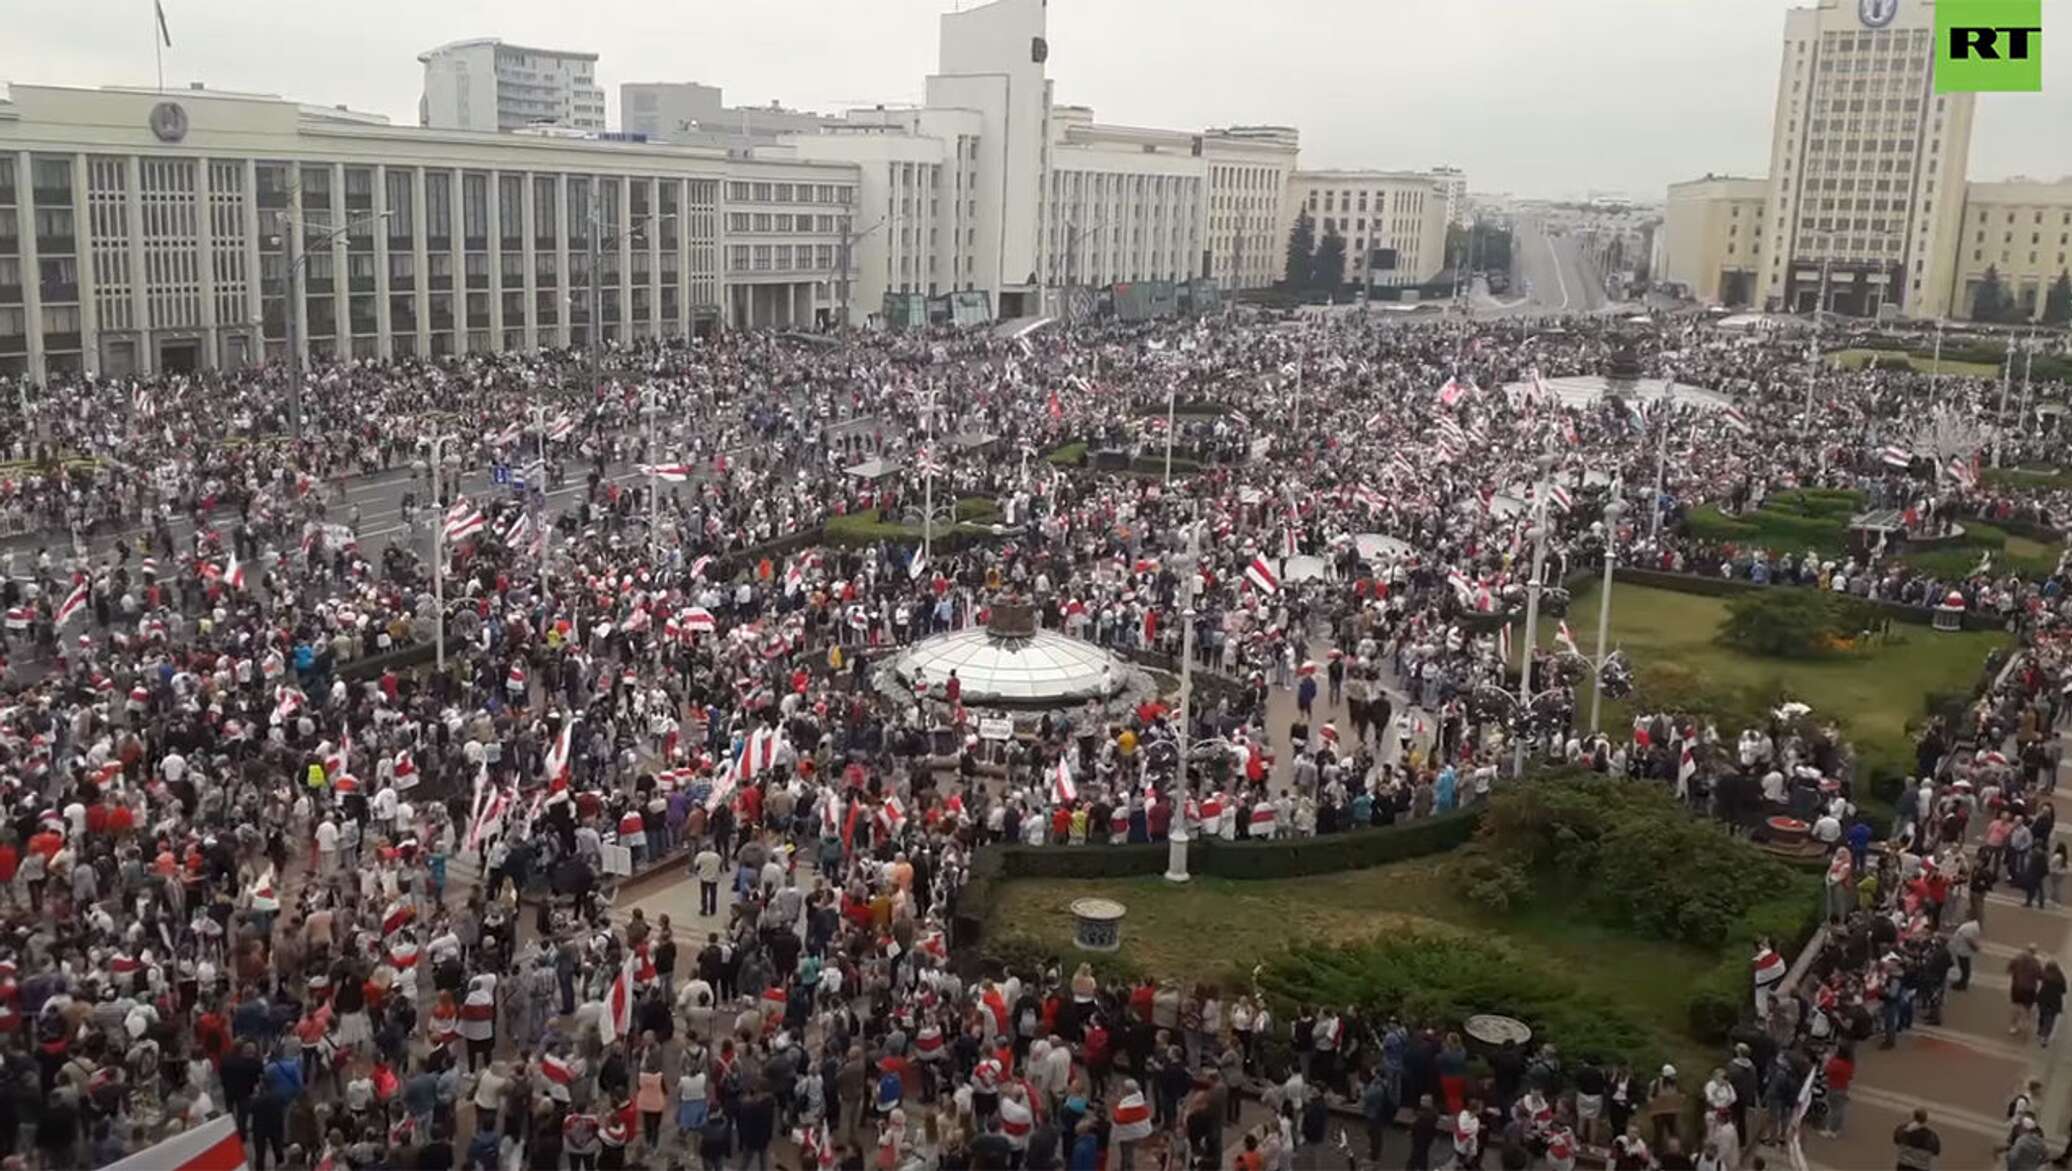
{"points": [[1533, 97]]}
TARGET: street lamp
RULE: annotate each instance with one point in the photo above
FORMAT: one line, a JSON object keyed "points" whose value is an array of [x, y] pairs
{"points": [[1612, 513], [1177, 835], [439, 551], [597, 244], [1538, 534], [296, 274], [849, 239]]}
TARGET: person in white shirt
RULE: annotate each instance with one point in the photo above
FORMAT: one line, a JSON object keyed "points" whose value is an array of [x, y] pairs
{"points": [[327, 846]]}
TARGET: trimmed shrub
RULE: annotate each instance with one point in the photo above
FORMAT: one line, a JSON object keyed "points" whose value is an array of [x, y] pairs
{"points": [[1631, 854], [1793, 624], [1442, 979]]}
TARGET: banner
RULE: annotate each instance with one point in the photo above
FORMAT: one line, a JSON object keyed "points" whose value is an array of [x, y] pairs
{"points": [[212, 1146]]}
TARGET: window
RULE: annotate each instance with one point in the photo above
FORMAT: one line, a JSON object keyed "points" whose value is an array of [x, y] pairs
{"points": [[438, 205], [474, 206]]}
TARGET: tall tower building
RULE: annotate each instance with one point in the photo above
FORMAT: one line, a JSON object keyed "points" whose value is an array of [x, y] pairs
{"points": [[1867, 163], [485, 84]]}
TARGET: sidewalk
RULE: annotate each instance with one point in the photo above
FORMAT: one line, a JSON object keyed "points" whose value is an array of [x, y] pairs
{"points": [[1964, 1070]]}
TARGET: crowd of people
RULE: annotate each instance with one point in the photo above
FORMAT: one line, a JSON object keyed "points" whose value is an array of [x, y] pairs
{"points": [[258, 862]]}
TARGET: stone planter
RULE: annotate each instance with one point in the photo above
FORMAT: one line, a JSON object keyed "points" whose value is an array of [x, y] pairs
{"points": [[1097, 924]]}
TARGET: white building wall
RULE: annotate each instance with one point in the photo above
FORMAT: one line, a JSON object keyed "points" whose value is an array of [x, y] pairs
{"points": [[459, 88], [485, 84], [992, 62], [176, 253], [1405, 211], [2022, 229], [1246, 206], [1711, 228]]}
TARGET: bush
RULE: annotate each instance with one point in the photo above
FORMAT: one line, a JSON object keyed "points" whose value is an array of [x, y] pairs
{"points": [[1793, 624], [1070, 455], [1441, 979], [1627, 852], [1675, 688]]}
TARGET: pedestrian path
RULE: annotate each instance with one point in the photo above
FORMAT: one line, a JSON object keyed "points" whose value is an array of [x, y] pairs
{"points": [[1964, 1070]]}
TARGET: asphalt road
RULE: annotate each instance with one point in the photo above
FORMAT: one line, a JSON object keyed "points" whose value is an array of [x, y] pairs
{"points": [[1550, 274], [378, 496]]}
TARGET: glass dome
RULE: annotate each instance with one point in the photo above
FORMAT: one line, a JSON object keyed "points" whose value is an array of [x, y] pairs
{"points": [[1012, 662]]}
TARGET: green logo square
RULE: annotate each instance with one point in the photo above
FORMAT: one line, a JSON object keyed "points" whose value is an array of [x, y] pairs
{"points": [[1988, 46]]}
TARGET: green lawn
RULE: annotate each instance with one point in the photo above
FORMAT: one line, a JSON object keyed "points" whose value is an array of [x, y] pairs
{"points": [[1217, 929], [1874, 691], [1857, 359], [2040, 479]]}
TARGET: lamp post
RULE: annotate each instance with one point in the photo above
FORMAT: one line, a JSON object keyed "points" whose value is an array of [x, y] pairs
{"points": [[2000, 415], [929, 463], [1172, 393], [1177, 837], [596, 244], [1612, 512], [1668, 402], [296, 273], [849, 239], [1813, 358], [439, 552], [539, 421], [1532, 606], [651, 404], [2028, 366]]}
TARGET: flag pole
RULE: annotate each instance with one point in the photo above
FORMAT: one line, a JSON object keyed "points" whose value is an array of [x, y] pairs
{"points": [[158, 42]]}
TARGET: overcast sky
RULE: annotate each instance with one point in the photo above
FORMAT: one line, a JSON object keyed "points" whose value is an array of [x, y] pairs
{"points": [[1532, 97]]}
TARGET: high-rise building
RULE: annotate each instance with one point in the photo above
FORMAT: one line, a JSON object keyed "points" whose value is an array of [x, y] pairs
{"points": [[485, 84], [1867, 163]]}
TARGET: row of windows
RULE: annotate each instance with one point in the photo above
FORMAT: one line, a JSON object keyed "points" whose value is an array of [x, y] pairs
{"points": [[1343, 200], [762, 221], [781, 258], [790, 193], [2065, 217], [1978, 254]]}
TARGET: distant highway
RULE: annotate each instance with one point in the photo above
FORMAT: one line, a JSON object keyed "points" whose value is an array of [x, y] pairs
{"points": [[1550, 274]]}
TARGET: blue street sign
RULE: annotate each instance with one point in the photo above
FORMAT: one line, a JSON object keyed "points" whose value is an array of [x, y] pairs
{"points": [[499, 474]]}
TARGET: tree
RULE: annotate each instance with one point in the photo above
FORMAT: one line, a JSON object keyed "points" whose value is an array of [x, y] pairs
{"points": [[1991, 302], [1792, 623], [1302, 249], [1328, 272], [2057, 304]]}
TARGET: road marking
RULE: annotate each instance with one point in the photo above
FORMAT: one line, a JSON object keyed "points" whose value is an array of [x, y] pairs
{"points": [[1558, 276]]}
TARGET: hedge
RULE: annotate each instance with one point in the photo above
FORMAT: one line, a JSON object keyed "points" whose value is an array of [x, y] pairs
{"points": [[1279, 858], [1709, 586]]}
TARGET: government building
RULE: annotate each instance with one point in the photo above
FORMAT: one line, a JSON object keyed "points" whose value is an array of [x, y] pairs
{"points": [[1867, 209]]}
